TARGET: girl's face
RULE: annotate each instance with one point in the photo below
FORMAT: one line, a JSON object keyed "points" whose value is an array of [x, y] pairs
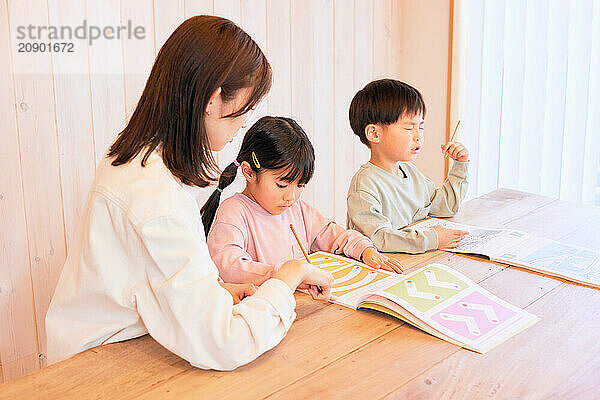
{"points": [[269, 190], [220, 129]]}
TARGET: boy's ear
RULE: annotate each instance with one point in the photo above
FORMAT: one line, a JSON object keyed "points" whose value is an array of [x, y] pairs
{"points": [[247, 171], [373, 133]]}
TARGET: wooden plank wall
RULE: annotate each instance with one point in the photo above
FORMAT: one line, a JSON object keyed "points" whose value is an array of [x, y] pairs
{"points": [[60, 111]]}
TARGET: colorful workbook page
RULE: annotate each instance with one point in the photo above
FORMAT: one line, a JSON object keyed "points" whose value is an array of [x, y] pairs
{"points": [[435, 298], [352, 279], [520, 249]]}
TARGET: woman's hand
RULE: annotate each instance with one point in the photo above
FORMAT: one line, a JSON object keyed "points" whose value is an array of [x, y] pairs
{"points": [[239, 291], [318, 282], [302, 275], [375, 259]]}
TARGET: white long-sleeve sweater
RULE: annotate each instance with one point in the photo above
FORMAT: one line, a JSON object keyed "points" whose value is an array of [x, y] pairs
{"points": [[139, 264]]}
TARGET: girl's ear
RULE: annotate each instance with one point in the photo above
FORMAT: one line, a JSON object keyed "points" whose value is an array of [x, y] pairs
{"points": [[248, 172], [373, 133]]}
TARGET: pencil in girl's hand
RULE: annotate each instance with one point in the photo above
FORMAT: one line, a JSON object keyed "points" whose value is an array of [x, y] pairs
{"points": [[303, 251], [300, 244]]}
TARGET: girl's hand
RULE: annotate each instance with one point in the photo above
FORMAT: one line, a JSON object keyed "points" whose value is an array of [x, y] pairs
{"points": [[375, 259], [457, 151], [239, 291]]}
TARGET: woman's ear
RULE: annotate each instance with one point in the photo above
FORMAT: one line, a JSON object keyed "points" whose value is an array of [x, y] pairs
{"points": [[373, 133], [247, 171], [214, 103]]}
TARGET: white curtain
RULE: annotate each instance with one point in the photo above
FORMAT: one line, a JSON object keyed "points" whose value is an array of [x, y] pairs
{"points": [[526, 87]]}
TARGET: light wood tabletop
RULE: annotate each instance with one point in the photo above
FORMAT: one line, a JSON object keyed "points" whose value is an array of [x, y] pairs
{"points": [[334, 352]]}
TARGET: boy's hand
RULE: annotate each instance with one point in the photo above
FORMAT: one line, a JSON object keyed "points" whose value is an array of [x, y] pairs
{"points": [[449, 238], [239, 290], [375, 259], [457, 151]]}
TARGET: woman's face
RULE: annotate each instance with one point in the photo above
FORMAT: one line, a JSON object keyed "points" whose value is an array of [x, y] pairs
{"points": [[220, 129]]}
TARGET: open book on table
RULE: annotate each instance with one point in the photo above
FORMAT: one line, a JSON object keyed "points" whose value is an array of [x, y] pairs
{"points": [[521, 249], [435, 299]]}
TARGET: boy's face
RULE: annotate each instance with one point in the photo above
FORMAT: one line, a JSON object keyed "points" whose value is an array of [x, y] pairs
{"points": [[402, 140]]}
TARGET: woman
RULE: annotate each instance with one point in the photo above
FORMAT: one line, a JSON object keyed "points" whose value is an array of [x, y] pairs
{"points": [[139, 261]]}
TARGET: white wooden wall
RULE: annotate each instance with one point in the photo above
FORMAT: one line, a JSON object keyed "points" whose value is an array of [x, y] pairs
{"points": [[59, 112]]}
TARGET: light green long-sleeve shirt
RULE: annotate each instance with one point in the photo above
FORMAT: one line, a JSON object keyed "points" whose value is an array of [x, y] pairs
{"points": [[381, 205]]}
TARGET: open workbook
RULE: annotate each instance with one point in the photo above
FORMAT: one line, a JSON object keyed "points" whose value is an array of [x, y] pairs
{"points": [[521, 249], [435, 298]]}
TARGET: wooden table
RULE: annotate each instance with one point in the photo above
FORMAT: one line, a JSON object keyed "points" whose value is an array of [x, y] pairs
{"points": [[334, 352]]}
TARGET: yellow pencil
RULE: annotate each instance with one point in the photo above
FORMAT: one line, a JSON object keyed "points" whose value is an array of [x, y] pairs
{"points": [[453, 134], [303, 252], [300, 244]]}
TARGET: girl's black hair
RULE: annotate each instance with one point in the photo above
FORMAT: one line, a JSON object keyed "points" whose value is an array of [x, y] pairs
{"points": [[277, 143]]}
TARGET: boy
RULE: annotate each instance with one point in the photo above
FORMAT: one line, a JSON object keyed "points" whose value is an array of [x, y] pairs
{"points": [[388, 193]]}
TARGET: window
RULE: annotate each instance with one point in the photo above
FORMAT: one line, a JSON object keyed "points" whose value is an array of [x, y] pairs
{"points": [[526, 85]]}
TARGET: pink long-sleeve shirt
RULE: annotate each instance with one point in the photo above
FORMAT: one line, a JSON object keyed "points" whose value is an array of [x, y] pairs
{"points": [[248, 244]]}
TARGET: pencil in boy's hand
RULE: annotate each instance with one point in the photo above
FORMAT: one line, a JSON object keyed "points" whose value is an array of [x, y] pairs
{"points": [[453, 134], [303, 251], [455, 129]]}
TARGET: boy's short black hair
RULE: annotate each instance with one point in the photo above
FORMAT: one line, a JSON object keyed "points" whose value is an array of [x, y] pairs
{"points": [[383, 101]]}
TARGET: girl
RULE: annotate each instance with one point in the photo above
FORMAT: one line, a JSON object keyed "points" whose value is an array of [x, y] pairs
{"points": [[251, 237], [139, 261]]}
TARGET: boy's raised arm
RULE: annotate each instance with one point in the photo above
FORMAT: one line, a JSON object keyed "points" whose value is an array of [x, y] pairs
{"points": [[445, 200]]}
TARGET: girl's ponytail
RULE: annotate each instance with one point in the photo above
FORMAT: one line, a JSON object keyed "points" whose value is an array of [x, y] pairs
{"points": [[209, 210]]}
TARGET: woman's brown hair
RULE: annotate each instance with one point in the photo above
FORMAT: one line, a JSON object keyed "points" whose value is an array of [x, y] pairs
{"points": [[202, 54]]}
